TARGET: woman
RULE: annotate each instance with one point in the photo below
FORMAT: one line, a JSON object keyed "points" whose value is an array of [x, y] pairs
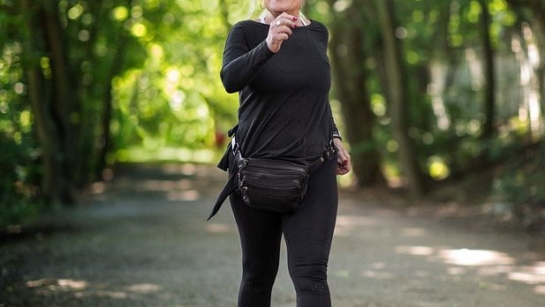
{"points": [[278, 64]]}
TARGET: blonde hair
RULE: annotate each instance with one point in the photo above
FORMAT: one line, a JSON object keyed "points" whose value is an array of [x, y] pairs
{"points": [[252, 7]]}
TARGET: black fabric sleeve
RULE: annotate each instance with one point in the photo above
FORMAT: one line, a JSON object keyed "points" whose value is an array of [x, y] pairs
{"points": [[241, 63]]}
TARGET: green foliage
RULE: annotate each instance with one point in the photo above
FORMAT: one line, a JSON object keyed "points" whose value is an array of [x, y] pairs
{"points": [[18, 168], [17, 183], [520, 183], [175, 99]]}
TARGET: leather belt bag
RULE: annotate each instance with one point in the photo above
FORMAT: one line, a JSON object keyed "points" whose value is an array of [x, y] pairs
{"points": [[270, 184]]}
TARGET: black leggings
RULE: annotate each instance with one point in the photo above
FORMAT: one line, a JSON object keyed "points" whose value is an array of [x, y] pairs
{"points": [[308, 233]]}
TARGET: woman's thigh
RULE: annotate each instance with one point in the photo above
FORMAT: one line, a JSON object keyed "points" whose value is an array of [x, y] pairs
{"points": [[260, 236], [309, 230]]}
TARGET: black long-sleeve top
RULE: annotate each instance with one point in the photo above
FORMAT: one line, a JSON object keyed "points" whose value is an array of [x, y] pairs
{"points": [[284, 107]]}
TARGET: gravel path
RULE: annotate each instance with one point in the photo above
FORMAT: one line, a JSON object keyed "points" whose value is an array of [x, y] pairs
{"points": [[142, 240]]}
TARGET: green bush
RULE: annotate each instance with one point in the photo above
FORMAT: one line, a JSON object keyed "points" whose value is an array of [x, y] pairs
{"points": [[17, 193], [520, 183]]}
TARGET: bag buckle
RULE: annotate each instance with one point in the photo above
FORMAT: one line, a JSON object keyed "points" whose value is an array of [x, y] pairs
{"points": [[330, 151], [234, 145]]}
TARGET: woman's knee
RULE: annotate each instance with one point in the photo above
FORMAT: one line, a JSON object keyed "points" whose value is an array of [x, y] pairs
{"points": [[258, 284], [310, 278]]}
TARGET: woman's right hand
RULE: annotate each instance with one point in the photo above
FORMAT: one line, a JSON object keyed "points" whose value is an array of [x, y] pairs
{"points": [[280, 30], [343, 158]]}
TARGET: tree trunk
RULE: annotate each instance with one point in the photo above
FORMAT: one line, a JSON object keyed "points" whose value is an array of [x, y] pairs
{"points": [[537, 7], [50, 104], [107, 108], [488, 129], [396, 87], [64, 97], [45, 126], [348, 57]]}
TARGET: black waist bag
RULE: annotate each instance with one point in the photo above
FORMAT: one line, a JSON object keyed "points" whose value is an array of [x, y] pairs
{"points": [[274, 185], [270, 184]]}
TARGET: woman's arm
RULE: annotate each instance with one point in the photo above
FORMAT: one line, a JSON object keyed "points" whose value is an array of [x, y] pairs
{"points": [[240, 63]]}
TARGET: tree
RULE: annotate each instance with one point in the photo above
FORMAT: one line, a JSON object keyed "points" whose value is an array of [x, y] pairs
{"points": [[533, 13], [488, 129], [349, 55], [396, 87], [72, 50], [51, 108]]}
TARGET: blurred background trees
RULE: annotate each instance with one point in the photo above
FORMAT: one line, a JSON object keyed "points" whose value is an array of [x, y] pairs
{"points": [[427, 92]]}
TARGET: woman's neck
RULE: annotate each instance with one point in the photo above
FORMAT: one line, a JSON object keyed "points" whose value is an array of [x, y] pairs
{"points": [[269, 17], [276, 14]]}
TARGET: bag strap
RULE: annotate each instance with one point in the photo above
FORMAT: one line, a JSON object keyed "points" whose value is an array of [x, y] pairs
{"points": [[327, 155], [231, 185], [224, 164], [228, 189]]}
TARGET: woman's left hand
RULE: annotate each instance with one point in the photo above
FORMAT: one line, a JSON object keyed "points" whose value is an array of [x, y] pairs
{"points": [[343, 158]]}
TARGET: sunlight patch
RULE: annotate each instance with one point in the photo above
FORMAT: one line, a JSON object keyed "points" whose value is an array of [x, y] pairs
{"points": [[345, 220], [527, 278], [378, 275], [414, 232], [98, 188], [144, 288], [456, 271], [530, 274], [218, 228], [347, 224], [112, 294], [415, 250], [468, 257], [59, 284], [72, 284], [190, 195], [540, 290]]}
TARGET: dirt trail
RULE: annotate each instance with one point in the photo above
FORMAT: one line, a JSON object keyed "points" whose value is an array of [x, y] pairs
{"points": [[142, 240]]}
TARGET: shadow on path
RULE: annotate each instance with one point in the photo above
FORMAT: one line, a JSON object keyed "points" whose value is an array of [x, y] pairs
{"points": [[142, 240]]}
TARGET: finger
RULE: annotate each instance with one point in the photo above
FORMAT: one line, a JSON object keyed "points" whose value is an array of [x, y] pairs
{"points": [[343, 167], [342, 158], [343, 172], [287, 16], [282, 36], [284, 20], [283, 28], [345, 157]]}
